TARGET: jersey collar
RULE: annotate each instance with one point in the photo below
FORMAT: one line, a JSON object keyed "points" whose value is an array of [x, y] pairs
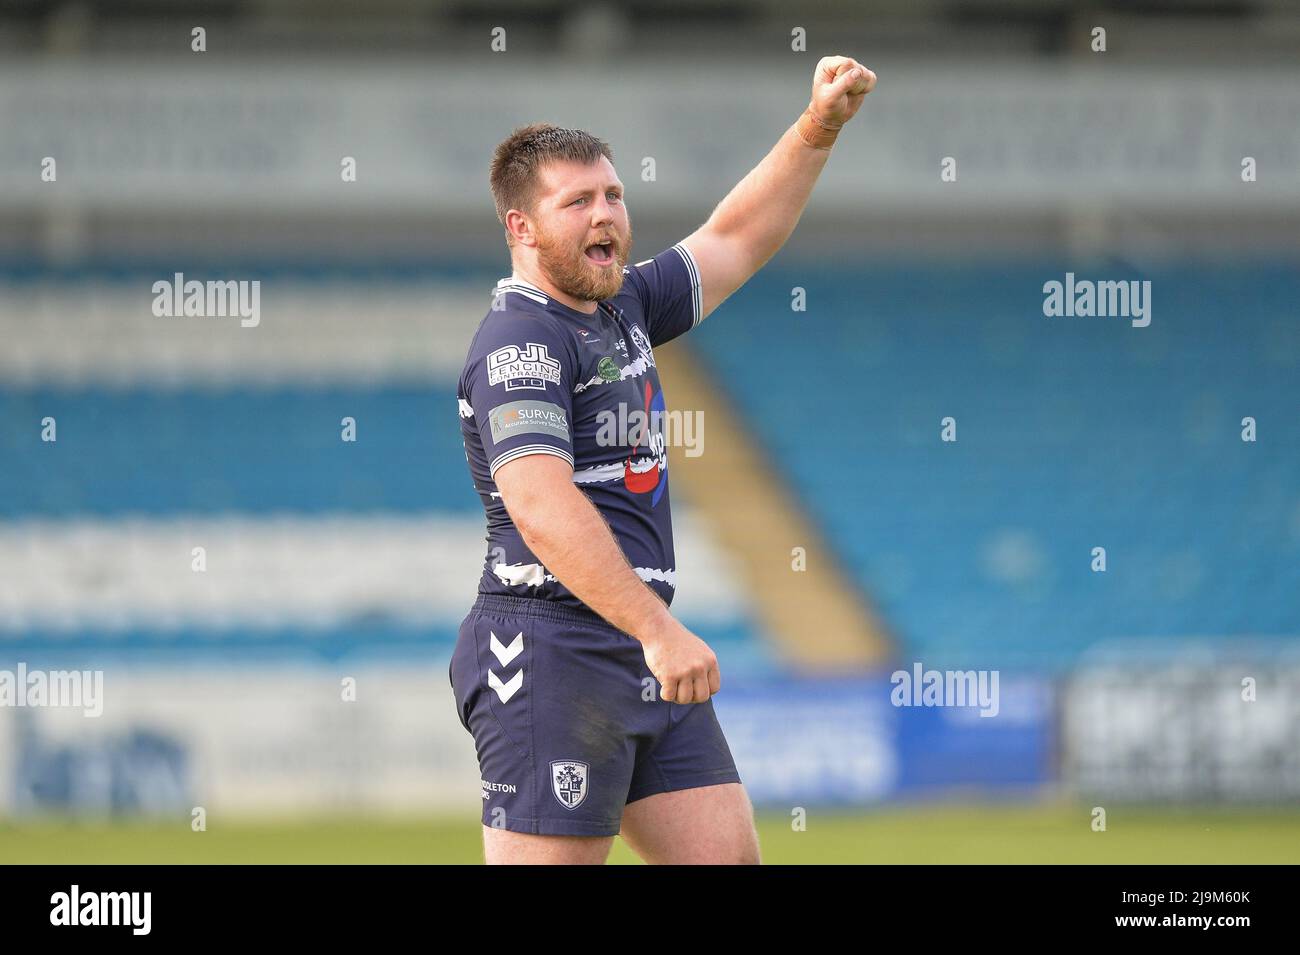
{"points": [[523, 287], [513, 283]]}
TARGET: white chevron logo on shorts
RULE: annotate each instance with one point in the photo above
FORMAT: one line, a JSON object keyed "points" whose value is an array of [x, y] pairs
{"points": [[503, 653], [509, 688]]}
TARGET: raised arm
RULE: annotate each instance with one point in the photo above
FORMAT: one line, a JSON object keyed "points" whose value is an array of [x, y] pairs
{"points": [[759, 214]]}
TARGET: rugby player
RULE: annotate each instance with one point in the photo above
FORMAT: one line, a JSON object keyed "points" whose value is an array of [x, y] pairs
{"points": [[589, 704]]}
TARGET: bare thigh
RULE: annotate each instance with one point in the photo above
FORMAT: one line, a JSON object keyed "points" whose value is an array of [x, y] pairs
{"points": [[503, 847], [706, 825]]}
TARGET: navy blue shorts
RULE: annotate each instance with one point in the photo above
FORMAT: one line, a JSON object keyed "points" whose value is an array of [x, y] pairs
{"points": [[567, 720]]}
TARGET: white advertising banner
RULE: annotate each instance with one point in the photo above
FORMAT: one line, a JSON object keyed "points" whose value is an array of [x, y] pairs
{"points": [[253, 741]]}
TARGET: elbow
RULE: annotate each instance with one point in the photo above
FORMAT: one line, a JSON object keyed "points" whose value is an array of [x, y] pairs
{"points": [[530, 511], [529, 526]]}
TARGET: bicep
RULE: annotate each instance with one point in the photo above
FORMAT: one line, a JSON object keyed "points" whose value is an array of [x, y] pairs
{"points": [[723, 264], [533, 483]]}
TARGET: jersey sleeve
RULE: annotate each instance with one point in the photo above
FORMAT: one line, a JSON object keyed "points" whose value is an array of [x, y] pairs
{"points": [[669, 289], [519, 386]]}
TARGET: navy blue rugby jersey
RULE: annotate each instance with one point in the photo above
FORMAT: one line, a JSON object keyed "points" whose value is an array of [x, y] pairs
{"points": [[544, 378]]}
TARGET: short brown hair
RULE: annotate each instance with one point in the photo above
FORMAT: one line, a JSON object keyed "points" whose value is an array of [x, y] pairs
{"points": [[517, 161]]}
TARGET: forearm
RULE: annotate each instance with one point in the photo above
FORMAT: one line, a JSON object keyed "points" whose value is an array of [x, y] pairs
{"points": [[763, 209], [573, 542]]}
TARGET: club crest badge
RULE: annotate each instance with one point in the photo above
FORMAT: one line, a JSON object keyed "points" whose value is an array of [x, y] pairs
{"points": [[569, 782], [643, 344]]}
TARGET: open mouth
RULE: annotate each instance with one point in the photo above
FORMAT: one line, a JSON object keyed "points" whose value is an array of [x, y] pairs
{"points": [[602, 253]]}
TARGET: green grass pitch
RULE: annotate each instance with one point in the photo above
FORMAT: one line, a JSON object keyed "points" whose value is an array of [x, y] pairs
{"points": [[1053, 833]]}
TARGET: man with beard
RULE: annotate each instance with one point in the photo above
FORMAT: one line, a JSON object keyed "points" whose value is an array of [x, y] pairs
{"points": [[557, 665]]}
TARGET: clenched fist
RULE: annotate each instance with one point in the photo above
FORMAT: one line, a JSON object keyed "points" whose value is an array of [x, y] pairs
{"points": [[685, 667], [839, 84]]}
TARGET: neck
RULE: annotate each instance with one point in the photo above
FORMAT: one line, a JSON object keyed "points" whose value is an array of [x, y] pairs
{"points": [[578, 304]]}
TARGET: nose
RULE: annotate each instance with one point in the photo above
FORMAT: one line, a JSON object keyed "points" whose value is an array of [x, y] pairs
{"points": [[602, 213]]}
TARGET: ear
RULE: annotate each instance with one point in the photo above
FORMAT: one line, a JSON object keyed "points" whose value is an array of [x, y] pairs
{"points": [[520, 227]]}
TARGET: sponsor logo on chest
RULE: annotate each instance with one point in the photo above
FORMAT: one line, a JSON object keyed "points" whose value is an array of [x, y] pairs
{"points": [[528, 368]]}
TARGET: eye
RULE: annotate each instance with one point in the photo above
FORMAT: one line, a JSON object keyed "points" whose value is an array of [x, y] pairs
{"points": [[577, 200], [614, 195]]}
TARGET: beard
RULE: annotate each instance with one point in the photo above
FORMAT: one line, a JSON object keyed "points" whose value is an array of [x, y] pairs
{"points": [[574, 274]]}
